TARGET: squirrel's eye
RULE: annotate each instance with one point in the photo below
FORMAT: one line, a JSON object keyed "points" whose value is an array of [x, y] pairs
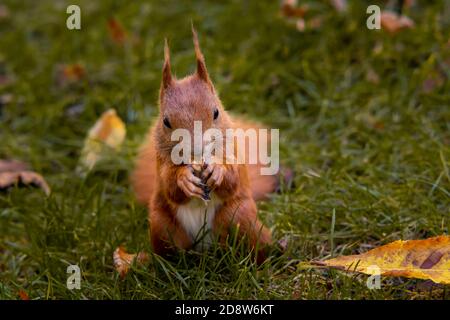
{"points": [[216, 114], [167, 123]]}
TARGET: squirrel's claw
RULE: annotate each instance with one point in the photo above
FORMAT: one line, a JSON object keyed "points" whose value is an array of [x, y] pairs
{"points": [[190, 184], [216, 177]]}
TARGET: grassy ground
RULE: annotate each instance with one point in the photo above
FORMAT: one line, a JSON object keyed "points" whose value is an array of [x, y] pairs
{"points": [[374, 153]]}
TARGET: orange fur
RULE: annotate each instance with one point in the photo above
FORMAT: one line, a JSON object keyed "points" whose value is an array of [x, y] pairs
{"points": [[144, 174], [165, 186]]}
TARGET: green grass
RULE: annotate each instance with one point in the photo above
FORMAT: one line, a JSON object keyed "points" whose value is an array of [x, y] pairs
{"points": [[376, 155]]}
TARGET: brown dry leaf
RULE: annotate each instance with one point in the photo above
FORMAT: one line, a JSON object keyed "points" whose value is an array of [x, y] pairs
{"points": [[74, 72], [123, 260], [15, 173], [4, 12], [5, 99], [393, 23], [70, 73], [5, 80], [23, 295], [312, 24], [12, 165], [109, 131], [117, 31], [372, 76], [423, 259], [315, 23], [296, 15], [339, 5], [432, 82], [300, 25], [289, 9]]}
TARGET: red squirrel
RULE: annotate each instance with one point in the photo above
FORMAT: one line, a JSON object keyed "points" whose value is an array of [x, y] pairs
{"points": [[175, 193]]}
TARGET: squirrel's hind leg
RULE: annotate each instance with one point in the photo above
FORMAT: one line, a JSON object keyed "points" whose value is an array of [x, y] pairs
{"points": [[166, 234], [242, 217]]}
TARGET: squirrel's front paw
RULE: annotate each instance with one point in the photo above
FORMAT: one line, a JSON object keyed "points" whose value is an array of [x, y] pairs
{"points": [[213, 175], [189, 183]]}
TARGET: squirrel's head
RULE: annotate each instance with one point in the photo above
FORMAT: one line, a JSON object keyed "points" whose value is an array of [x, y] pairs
{"points": [[182, 102]]}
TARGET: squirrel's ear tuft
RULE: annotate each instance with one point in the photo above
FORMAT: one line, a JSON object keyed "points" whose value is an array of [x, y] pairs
{"points": [[202, 72], [166, 74]]}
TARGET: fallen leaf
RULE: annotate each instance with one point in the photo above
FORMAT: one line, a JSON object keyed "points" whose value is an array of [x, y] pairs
{"points": [[15, 173], [70, 73], [339, 5], [372, 76], [393, 23], [5, 80], [12, 165], [296, 15], [109, 131], [315, 23], [23, 295], [10, 179], [5, 99], [300, 25], [4, 12], [124, 260], [117, 31], [290, 10], [423, 259], [74, 71]]}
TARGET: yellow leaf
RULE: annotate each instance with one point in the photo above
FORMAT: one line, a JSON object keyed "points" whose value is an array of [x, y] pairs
{"points": [[422, 259], [108, 131]]}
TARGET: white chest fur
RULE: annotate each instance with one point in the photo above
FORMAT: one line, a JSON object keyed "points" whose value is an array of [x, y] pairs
{"points": [[197, 218]]}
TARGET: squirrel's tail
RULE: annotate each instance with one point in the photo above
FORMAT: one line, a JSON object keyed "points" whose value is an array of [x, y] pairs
{"points": [[143, 178], [262, 185]]}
